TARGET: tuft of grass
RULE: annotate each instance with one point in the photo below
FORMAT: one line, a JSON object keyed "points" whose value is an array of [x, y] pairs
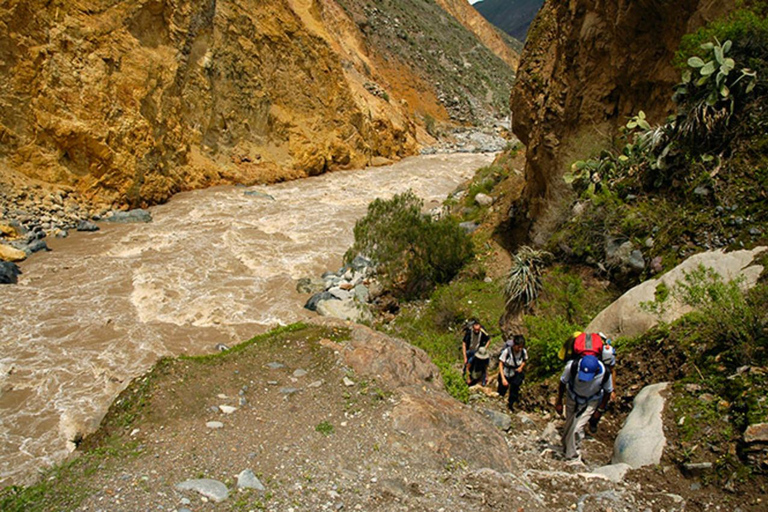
{"points": [[325, 428]]}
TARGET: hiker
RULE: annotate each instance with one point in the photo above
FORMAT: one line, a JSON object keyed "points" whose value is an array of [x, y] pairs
{"points": [[589, 386], [478, 367], [512, 363], [474, 338]]}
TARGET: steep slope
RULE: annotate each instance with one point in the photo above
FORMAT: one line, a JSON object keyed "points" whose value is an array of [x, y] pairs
{"points": [[130, 102], [512, 16], [471, 82], [587, 66], [506, 48]]}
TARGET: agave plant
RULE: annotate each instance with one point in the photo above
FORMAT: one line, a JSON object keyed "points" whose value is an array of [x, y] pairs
{"points": [[524, 280]]}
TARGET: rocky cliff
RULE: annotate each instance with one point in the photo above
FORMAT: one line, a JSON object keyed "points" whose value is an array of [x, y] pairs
{"points": [[129, 102], [587, 66]]}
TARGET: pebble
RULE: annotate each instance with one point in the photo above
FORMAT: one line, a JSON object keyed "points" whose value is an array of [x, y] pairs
{"points": [[247, 480], [348, 382], [275, 366], [214, 424], [227, 409], [300, 373]]}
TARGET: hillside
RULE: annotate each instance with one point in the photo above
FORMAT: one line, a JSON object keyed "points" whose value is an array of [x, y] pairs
{"points": [[129, 103], [512, 16]]}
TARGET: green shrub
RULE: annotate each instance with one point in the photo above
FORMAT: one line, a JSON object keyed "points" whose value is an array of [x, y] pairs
{"points": [[546, 335], [412, 252]]}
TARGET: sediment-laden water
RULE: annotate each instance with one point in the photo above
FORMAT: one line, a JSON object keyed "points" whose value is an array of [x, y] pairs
{"points": [[215, 266]]}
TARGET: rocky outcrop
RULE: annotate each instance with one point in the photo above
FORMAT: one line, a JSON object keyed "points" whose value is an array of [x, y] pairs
{"points": [[587, 66], [130, 102], [626, 317]]}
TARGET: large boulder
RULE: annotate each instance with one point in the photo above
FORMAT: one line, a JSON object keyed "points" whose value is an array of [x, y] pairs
{"points": [[625, 317], [641, 440], [343, 310]]}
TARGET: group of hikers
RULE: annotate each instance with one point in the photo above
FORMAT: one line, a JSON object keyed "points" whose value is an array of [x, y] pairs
{"points": [[585, 387]]}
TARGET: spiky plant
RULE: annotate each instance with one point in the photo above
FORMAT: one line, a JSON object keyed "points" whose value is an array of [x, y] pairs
{"points": [[524, 280]]}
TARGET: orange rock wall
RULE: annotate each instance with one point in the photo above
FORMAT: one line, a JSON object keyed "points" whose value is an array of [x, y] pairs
{"points": [[132, 101]]}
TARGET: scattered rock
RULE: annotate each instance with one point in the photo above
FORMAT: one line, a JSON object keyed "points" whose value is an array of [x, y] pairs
{"points": [[247, 480], [288, 391], [211, 489], [483, 199], [315, 384], [299, 373], [214, 424], [348, 382], [8, 253], [275, 366], [343, 310], [469, 227], [500, 420], [227, 409]]}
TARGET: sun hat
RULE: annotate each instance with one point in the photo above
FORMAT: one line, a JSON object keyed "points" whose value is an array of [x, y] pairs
{"points": [[482, 353], [589, 367]]}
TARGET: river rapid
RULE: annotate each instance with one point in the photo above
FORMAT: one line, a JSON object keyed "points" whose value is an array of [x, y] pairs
{"points": [[214, 266]]}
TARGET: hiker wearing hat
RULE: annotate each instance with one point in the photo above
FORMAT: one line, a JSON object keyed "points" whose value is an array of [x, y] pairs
{"points": [[589, 386], [474, 338], [512, 362], [478, 367]]}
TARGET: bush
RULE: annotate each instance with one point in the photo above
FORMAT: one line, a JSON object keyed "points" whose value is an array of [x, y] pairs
{"points": [[412, 252]]}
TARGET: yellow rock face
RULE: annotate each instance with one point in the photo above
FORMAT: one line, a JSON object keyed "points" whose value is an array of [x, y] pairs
{"points": [[7, 231], [8, 253], [130, 102]]}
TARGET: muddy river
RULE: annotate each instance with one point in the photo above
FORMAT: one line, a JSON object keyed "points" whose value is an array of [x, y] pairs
{"points": [[214, 266]]}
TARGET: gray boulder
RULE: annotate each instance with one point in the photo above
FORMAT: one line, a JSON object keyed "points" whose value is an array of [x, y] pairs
{"points": [[211, 489], [625, 317], [9, 272], [343, 309], [340, 294], [86, 225], [360, 263], [641, 440], [316, 299], [469, 227], [361, 293]]}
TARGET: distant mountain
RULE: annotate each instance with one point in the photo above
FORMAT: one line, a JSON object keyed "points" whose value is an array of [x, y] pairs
{"points": [[512, 16]]}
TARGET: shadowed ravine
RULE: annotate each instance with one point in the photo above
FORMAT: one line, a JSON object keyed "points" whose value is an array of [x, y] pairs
{"points": [[215, 266]]}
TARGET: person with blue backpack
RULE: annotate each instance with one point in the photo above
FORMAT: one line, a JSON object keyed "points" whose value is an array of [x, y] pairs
{"points": [[587, 385]]}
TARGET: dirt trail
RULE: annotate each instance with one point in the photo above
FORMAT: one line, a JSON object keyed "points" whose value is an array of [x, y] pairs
{"points": [[338, 417]]}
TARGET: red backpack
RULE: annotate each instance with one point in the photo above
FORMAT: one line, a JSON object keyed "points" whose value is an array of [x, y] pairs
{"points": [[584, 344]]}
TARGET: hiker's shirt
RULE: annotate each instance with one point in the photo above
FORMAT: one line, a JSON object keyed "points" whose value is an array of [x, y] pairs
{"points": [[512, 361], [474, 340], [583, 392]]}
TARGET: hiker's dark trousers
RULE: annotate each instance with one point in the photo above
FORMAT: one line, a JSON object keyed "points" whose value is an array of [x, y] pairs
{"points": [[514, 388]]}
